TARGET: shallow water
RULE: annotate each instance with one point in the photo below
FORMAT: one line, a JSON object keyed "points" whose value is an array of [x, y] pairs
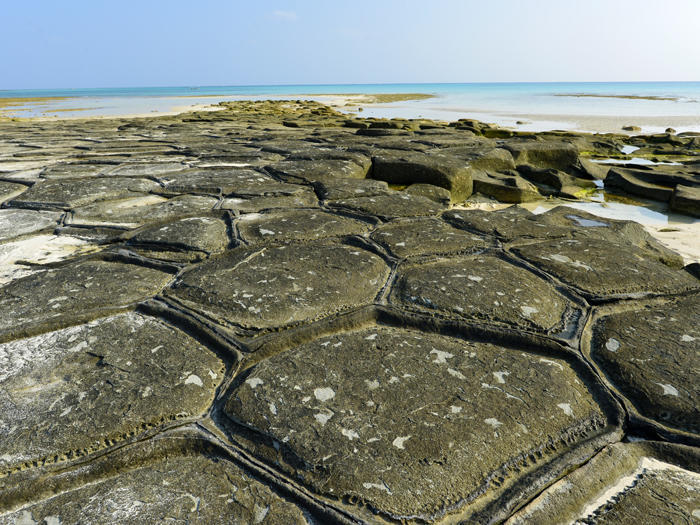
{"points": [[491, 102]]}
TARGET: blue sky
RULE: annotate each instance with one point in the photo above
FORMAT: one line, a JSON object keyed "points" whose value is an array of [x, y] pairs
{"points": [[115, 43]]}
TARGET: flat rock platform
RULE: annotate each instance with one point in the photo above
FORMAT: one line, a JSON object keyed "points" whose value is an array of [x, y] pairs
{"points": [[277, 313]]}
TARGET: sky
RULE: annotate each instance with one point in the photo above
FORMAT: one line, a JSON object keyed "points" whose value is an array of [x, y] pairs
{"points": [[48, 44]]}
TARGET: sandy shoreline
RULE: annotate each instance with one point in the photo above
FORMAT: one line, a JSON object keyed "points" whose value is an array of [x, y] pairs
{"points": [[401, 105]]}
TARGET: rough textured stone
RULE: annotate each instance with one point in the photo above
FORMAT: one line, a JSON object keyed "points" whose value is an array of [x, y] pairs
{"points": [[62, 296], [397, 204], [484, 288], [651, 357], [422, 236], [505, 187], [139, 211], [351, 188], [447, 172], [419, 424], [14, 223], [315, 170], [10, 189], [296, 225], [68, 194], [293, 197], [205, 234], [601, 269], [554, 155], [177, 490], [508, 224], [81, 388], [216, 181], [301, 283], [626, 483], [686, 199]]}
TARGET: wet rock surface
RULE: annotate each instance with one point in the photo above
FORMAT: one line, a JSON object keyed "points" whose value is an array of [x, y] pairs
{"points": [[278, 313]]}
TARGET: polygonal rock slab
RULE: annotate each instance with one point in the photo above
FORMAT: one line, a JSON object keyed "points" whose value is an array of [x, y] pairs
{"points": [[425, 235], [10, 189], [318, 170], [628, 483], [296, 225], [177, 490], [508, 224], [484, 287], [22, 257], [14, 223], [132, 213], [146, 169], [415, 425], [397, 204], [66, 392], [205, 234], [71, 294], [601, 269], [278, 285], [71, 193], [297, 197], [216, 180], [351, 188], [651, 357], [445, 171]]}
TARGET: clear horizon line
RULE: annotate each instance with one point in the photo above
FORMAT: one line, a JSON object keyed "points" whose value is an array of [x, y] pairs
{"points": [[283, 84]]}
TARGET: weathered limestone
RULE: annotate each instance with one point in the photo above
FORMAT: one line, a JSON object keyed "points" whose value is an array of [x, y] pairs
{"points": [[440, 170], [68, 194], [483, 288], [84, 291], [225, 317], [419, 424], [606, 269], [389, 206], [85, 387], [203, 234], [274, 286], [139, 211], [296, 225], [624, 483], [178, 490], [425, 235], [14, 223], [651, 357]]}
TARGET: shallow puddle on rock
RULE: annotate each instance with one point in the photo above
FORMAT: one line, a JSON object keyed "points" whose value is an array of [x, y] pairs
{"points": [[40, 249], [677, 232], [636, 160], [628, 149]]}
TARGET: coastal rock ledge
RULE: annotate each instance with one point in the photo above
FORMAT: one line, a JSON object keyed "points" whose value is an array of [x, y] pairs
{"points": [[278, 313]]}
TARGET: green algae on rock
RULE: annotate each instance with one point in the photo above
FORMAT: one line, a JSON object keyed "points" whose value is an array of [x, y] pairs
{"points": [[420, 424]]}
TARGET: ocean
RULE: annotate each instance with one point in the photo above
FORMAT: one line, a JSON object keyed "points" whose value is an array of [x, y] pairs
{"points": [[537, 106]]}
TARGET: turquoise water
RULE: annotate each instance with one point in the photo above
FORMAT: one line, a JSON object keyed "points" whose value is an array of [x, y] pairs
{"points": [[502, 102]]}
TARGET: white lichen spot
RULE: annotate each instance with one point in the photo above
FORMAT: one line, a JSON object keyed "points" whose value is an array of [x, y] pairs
{"points": [[372, 385], [324, 394], [495, 423], [194, 380], [371, 337], [441, 357], [252, 382], [378, 486], [669, 390], [263, 231], [551, 363], [455, 409], [687, 338], [528, 310], [323, 417], [612, 344], [273, 408], [500, 375], [261, 513], [475, 278], [399, 441], [455, 373], [350, 434], [566, 407]]}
